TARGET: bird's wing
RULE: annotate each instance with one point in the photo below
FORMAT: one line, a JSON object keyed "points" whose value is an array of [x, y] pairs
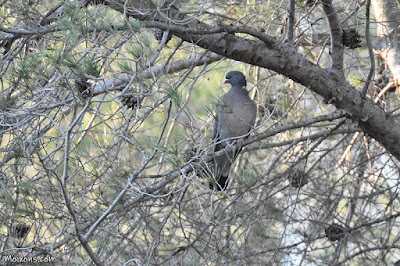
{"points": [[220, 123], [239, 116], [215, 129], [234, 118]]}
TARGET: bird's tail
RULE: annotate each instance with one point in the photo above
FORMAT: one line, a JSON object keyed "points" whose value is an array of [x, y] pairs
{"points": [[222, 166]]}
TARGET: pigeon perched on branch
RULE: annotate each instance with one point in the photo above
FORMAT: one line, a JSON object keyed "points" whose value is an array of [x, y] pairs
{"points": [[235, 117]]}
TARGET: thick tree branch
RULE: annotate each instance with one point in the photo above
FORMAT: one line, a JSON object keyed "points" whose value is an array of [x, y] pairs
{"points": [[114, 84], [28, 32]]}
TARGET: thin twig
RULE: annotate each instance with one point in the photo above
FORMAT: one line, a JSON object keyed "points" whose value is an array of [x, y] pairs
{"points": [[290, 30], [336, 35], [370, 50]]}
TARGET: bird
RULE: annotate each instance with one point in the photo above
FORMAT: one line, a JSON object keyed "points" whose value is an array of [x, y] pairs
{"points": [[235, 117]]}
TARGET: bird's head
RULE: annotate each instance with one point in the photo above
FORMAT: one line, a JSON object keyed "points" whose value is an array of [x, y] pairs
{"points": [[235, 78]]}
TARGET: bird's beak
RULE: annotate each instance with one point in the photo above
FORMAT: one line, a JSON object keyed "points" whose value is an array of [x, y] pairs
{"points": [[226, 81]]}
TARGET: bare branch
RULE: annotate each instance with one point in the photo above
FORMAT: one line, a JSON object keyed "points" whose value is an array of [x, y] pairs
{"points": [[336, 35], [370, 50], [117, 84], [28, 32], [290, 30]]}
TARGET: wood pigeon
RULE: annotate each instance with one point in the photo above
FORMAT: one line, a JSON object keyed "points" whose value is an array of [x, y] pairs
{"points": [[236, 114]]}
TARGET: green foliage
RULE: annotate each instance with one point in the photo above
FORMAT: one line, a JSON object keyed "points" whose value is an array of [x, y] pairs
{"points": [[27, 66], [16, 151], [210, 110], [171, 154], [71, 10], [91, 66], [54, 56], [125, 66], [145, 40], [175, 95], [6, 198], [70, 31], [136, 51], [69, 61], [244, 177], [209, 174], [7, 102], [134, 25], [27, 188], [63, 59]]}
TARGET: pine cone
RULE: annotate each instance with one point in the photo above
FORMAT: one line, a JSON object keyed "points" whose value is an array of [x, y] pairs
{"points": [[335, 232], [158, 34], [21, 230], [130, 101], [383, 79], [310, 3], [6, 45], [298, 178], [82, 85], [93, 2], [189, 153], [351, 38]]}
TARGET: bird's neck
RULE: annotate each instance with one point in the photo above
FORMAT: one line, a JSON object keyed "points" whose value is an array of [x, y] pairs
{"points": [[241, 89]]}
